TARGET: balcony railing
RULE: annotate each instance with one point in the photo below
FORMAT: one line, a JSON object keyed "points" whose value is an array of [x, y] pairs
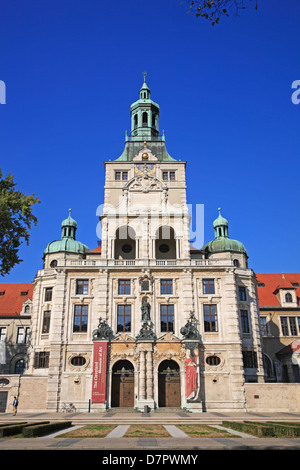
{"points": [[144, 262]]}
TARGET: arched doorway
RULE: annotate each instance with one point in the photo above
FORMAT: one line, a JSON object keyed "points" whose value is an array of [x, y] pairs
{"points": [[169, 384], [122, 392]]}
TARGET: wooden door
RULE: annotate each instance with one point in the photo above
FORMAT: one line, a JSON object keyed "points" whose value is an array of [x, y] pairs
{"points": [[169, 393], [127, 391], [172, 391]]}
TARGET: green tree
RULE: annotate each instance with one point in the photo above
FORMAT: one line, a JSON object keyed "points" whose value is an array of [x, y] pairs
{"points": [[16, 220], [212, 10]]}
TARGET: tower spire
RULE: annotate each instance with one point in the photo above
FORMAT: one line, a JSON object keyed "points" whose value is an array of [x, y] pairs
{"points": [[144, 115]]}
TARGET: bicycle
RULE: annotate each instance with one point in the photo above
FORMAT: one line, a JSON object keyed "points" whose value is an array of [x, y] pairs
{"points": [[68, 408]]}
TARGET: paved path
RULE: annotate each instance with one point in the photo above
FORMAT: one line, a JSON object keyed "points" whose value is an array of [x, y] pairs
{"points": [[178, 440]]}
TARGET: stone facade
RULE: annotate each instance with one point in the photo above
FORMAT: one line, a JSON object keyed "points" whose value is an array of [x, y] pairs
{"points": [[144, 319]]}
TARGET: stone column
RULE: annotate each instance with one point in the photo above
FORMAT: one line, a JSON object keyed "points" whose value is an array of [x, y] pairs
{"points": [[142, 391], [149, 380]]}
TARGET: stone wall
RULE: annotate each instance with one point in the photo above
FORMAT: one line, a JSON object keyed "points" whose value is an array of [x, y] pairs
{"points": [[32, 394], [276, 397]]}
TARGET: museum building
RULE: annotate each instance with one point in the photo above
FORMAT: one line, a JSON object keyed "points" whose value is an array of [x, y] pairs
{"points": [[143, 319]]}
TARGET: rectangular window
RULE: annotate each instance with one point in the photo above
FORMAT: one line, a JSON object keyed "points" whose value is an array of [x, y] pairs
{"points": [[48, 294], [167, 318], [210, 318], [124, 286], [166, 286], [27, 335], [2, 334], [168, 175], [82, 286], [263, 326], [124, 318], [121, 175], [245, 321], [20, 335], [208, 286], [41, 360], [293, 327], [284, 326], [242, 293], [46, 321], [80, 318], [250, 359]]}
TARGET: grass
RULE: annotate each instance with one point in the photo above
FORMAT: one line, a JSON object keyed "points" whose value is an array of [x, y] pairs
{"points": [[101, 430], [202, 430], [147, 431]]}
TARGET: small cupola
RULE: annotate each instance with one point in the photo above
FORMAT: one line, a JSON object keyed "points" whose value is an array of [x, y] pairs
{"points": [[145, 91], [220, 226], [68, 227]]}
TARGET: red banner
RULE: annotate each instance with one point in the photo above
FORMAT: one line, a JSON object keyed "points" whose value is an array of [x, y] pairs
{"points": [[99, 372]]}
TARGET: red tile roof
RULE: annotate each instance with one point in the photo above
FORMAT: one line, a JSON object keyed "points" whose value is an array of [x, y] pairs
{"points": [[273, 281], [96, 250], [11, 301]]}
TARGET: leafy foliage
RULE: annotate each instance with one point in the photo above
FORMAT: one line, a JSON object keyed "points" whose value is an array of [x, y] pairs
{"points": [[212, 10], [16, 220]]}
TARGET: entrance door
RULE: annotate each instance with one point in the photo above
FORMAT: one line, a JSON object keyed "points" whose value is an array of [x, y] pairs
{"points": [[169, 384], [122, 394], [3, 401]]}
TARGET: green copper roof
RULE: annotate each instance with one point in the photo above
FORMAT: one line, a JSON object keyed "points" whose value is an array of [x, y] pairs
{"points": [[67, 243], [222, 242], [220, 220], [69, 221], [133, 148]]}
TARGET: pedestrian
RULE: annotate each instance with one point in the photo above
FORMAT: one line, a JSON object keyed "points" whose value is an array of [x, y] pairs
{"points": [[15, 406]]}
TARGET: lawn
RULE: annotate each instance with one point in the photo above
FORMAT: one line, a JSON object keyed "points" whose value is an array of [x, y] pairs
{"points": [[201, 430], [147, 431], [90, 431]]}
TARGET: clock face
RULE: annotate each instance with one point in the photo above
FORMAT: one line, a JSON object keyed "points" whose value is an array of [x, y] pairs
{"points": [[144, 169]]}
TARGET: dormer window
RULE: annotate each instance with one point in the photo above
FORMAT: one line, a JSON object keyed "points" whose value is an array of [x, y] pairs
{"points": [[23, 293], [288, 298], [2, 292]]}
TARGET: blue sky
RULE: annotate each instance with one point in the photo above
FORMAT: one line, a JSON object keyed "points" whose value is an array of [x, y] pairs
{"points": [[72, 68]]}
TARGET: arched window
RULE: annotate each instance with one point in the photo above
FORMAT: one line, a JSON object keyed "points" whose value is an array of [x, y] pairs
{"points": [[27, 309], [288, 297], [145, 119], [135, 121], [20, 366]]}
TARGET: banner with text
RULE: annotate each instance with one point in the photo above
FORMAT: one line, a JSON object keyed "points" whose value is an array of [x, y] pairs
{"points": [[99, 372]]}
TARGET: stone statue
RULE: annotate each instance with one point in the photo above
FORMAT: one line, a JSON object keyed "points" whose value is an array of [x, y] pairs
{"points": [[146, 332], [189, 330], [146, 307], [103, 331]]}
